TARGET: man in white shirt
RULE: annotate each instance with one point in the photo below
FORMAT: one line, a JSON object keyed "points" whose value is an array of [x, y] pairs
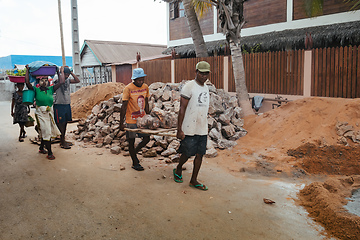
{"points": [[192, 126]]}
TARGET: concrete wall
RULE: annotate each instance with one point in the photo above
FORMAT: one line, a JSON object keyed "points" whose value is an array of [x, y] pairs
{"points": [[6, 90]]}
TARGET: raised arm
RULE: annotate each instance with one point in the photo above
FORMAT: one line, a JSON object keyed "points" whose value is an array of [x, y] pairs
{"points": [[75, 80], [61, 77], [27, 80]]}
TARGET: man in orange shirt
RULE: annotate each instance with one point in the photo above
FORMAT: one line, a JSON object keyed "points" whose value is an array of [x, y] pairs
{"points": [[135, 104]]}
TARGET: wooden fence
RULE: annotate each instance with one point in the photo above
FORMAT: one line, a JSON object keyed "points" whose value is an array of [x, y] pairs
{"points": [[274, 72], [185, 69], [334, 72], [157, 71], [95, 75]]}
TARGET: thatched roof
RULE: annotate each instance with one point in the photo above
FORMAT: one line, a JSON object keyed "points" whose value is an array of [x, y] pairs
{"points": [[335, 35]]}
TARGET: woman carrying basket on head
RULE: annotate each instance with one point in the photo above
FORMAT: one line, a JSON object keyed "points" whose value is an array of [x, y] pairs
{"points": [[19, 111], [44, 112]]}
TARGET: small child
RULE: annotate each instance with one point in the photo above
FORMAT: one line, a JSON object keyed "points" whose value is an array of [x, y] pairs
{"points": [[19, 111]]}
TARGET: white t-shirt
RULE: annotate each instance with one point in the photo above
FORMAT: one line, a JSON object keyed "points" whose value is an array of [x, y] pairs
{"points": [[195, 119]]}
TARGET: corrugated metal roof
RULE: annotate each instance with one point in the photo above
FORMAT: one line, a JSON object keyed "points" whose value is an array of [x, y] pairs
{"points": [[143, 59], [108, 52]]}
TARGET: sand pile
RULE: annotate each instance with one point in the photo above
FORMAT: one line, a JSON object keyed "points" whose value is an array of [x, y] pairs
{"points": [[325, 201], [83, 100], [302, 135], [309, 120]]}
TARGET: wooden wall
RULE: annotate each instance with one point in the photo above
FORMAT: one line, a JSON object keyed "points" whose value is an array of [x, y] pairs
{"points": [[336, 72], [88, 58], [185, 69], [330, 7], [157, 71], [179, 27], [97, 75], [258, 13], [272, 72], [124, 73]]}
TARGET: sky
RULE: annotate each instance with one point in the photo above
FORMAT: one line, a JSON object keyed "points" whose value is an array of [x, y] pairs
{"points": [[31, 27]]}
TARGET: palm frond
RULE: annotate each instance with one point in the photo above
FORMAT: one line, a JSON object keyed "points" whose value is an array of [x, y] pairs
{"points": [[202, 6], [313, 8], [355, 4]]}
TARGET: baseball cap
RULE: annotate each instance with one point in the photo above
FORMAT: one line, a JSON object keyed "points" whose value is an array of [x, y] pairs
{"points": [[203, 66]]}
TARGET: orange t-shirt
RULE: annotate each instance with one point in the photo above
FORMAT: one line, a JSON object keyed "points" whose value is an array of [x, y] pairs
{"points": [[136, 101]]}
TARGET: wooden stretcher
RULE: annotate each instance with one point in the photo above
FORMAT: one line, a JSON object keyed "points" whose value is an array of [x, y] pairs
{"points": [[170, 132]]}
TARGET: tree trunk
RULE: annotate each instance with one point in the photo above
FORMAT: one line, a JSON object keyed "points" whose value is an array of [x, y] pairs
{"points": [[240, 83], [195, 30]]}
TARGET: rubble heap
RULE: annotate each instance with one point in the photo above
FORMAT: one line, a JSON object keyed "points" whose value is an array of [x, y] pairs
{"points": [[225, 123], [345, 132]]}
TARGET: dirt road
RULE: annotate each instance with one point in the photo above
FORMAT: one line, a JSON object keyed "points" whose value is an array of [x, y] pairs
{"points": [[84, 195]]}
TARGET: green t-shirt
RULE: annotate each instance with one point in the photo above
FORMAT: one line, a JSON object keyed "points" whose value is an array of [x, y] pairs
{"points": [[44, 98]]}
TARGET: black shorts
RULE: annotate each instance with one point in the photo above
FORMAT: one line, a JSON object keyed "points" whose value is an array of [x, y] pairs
{"points": [[62, 113], [192, 145]]}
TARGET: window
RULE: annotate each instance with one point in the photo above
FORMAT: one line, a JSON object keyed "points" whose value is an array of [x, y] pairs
{"points": [[176, 9], [181, 10]]}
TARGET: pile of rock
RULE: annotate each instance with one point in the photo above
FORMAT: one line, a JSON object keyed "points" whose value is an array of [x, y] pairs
{"points": [[225, 123], [345, 132]]}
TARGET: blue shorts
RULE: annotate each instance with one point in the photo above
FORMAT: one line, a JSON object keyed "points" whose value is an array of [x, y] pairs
{"points": [[192, 145], [62, 113]]}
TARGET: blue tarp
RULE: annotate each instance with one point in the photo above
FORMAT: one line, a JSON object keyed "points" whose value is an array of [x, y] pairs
{"points": [[35, 66]]}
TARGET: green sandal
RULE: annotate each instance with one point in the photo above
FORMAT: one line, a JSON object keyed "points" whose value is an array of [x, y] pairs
{"points": [[199, 186], [177, 178]]}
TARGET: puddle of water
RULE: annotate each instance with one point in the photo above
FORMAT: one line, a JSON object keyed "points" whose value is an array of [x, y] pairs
{"points": [[353, 205]]}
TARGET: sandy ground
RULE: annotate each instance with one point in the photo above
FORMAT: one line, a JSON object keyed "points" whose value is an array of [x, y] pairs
{"points": [[84, 195]]}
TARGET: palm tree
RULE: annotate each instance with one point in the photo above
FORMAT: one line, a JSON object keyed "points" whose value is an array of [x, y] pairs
{"points": [[195, 30], [231, 16], [231, 22], [194, 27]]}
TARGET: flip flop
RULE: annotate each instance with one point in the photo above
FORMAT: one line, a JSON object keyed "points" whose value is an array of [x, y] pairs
{"points": [[177, 178], [138, 167], [199, 186], [50, 157]]}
